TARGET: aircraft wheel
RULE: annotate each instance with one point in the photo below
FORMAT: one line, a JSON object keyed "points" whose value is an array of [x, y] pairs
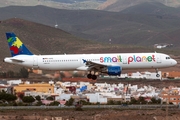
{"points": [[157, 75], [89, 76], [94, 77]]}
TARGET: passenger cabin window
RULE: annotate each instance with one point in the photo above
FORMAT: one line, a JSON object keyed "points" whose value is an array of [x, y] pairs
{"points": [[69, 60]]}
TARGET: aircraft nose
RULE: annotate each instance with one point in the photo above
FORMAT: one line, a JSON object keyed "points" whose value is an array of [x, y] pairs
{"points": [[174, 62]]}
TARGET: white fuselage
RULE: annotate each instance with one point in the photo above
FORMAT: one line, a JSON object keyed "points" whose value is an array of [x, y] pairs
{"points": [[75, 61]]}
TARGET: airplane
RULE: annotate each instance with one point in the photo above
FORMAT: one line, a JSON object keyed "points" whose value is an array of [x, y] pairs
{"points": [[95, 64]]}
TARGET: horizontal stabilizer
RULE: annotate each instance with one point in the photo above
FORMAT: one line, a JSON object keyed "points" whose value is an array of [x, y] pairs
{"points": [[17, 60]]}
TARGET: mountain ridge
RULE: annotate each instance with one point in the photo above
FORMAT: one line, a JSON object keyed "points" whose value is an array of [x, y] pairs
{"points": [[131, 26], [107, 5], [119, 5]]}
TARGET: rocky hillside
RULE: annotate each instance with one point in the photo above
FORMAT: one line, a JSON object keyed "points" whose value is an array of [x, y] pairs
{"points": [[60, 4], [137, 25], [119, 5]]}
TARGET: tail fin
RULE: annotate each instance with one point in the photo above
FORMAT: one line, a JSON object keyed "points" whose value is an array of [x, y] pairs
{"points": [[16, 46]]}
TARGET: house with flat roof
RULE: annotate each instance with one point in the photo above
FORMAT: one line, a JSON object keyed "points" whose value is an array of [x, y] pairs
{"points": [[37, 87]]}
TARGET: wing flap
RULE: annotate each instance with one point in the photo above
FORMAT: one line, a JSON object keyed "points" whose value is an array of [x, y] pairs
{"points": [[93, 65], [96, 66]]}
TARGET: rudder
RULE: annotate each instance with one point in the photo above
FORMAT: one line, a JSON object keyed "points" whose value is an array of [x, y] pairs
{"points": [[16, 46]]}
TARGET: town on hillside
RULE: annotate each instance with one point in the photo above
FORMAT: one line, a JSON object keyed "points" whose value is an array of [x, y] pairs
{"points": [[90, 93]]}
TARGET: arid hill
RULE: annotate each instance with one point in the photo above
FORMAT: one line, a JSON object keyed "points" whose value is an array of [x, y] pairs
{"points": [[143, 25], [108, 5], [119, 5], [42, 39]]}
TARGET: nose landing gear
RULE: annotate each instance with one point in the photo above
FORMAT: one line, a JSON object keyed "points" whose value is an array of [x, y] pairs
{"points": [[157, 74]]}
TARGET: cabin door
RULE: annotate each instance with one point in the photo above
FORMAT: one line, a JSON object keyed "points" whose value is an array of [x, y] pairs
{"points": [[158, 59], [124, 59], [35, 62]]}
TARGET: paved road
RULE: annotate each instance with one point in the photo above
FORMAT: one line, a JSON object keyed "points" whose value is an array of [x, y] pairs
{"points": [[94, 106]]}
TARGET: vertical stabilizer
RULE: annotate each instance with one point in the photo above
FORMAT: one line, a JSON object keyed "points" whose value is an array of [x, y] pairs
{"points": [[16, 46]]}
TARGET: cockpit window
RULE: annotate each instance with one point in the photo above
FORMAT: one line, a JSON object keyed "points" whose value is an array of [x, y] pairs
{"points": [[168, 58]]}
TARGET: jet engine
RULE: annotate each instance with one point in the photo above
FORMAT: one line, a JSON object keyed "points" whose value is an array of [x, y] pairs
{"points": [[114, 70]]}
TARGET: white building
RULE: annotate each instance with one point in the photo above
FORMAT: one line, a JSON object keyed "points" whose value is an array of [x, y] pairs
{"points": [[34, 94], [64, 97], [96, 97], [10, 82], [145, 75]]}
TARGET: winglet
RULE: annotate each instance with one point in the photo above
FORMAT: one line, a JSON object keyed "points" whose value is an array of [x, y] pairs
{"points": [[16, 46]]}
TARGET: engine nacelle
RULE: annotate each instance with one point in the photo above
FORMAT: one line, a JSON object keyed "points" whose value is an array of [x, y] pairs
{"points": [[114, 70]]}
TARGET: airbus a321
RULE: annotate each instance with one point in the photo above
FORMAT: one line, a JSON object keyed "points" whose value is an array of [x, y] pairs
{"points": [[94, 64]]}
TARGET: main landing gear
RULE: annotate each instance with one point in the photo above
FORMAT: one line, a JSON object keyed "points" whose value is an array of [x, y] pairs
{"points": [[92, 75]]}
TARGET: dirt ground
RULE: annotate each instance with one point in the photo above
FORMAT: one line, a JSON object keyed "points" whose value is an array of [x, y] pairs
{"points": [[89, 114]]}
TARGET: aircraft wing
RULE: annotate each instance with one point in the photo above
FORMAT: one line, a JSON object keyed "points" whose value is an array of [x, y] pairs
{"points": [[93, 65]]}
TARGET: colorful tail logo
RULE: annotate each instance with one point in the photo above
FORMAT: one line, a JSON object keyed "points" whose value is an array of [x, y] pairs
{"points": [[16, 46]]}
